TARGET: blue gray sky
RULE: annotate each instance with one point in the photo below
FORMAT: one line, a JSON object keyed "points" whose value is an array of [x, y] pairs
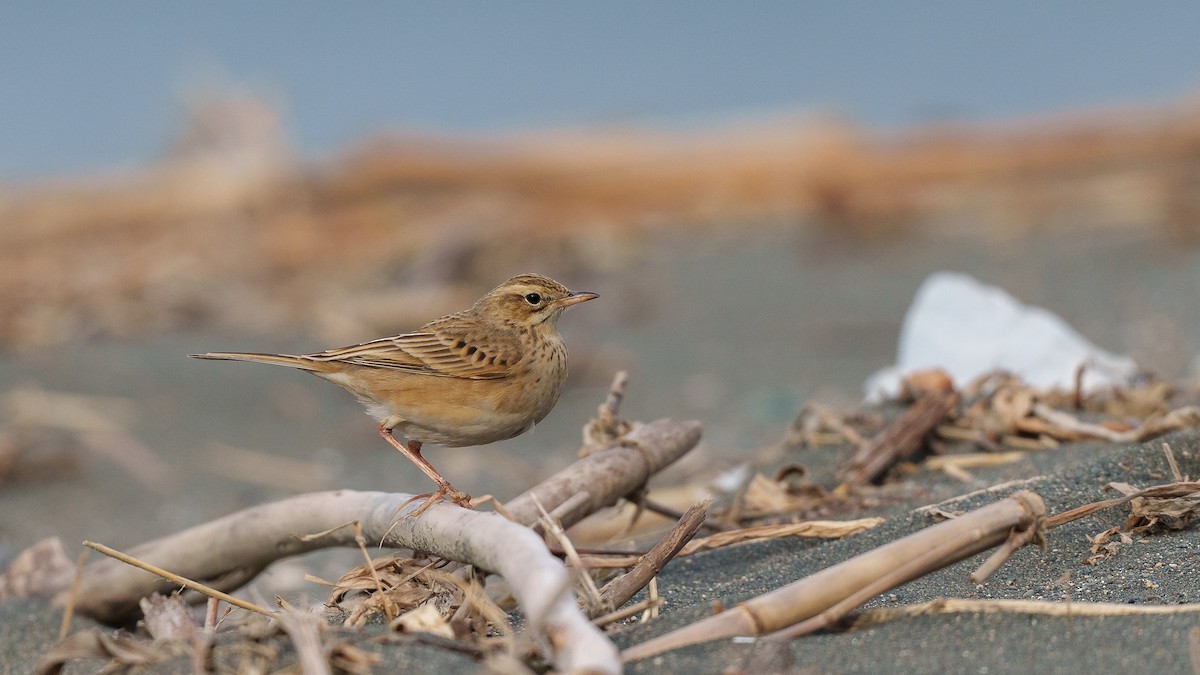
{"points": [[85, 85]]}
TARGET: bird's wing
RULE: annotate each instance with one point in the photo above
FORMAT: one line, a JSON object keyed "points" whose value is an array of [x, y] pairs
{"points": [[459, 348]]}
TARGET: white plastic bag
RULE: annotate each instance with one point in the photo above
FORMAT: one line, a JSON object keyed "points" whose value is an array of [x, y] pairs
{"points": [[968, 328]]}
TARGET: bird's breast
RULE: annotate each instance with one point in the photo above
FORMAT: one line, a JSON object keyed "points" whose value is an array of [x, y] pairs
{"points": [[535, 388]]}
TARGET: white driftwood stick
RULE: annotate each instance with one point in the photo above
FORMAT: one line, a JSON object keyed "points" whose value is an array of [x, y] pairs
{"points": [[227, 552]]}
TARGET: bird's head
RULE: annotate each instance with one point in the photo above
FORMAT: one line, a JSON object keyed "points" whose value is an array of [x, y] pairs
{"points": [[531, 300]]}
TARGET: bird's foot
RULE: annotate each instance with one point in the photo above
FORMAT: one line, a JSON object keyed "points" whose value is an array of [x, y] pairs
{"points": [[446, 493]]}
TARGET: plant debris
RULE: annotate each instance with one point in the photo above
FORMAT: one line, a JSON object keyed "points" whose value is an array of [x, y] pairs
{"points": [[993, 420], [420, 596], [1162, 508]]}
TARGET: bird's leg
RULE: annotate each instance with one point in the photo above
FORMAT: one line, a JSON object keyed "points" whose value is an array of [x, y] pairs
{"points": [[412, 450]]}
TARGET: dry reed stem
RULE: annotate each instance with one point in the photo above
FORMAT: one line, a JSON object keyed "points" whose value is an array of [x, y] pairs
{"points": [[211, 611], [824, 529], [1155, 425], [601, 562], [885, 567], [974, 460], [651, 612], [670, 512], [361, 541], [1172, 464], [926, 560]]}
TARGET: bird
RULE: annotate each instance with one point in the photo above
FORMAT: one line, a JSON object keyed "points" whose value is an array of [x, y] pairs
{"points": [[485, 374]]}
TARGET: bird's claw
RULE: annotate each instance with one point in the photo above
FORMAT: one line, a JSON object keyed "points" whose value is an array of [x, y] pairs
{"points": [[461, 499]]}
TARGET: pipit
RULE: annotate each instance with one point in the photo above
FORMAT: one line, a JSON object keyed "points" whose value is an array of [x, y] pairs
{"points": [[470, 378]]}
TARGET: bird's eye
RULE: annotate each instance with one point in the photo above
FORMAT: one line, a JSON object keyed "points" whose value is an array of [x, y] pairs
{"points": [[533, 298]]}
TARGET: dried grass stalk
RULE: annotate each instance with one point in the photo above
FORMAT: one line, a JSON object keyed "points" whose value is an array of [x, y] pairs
{"points": [[824, 529], [874, 617]]}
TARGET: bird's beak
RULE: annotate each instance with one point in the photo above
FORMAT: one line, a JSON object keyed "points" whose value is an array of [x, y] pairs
{"points": [[575, 298]]}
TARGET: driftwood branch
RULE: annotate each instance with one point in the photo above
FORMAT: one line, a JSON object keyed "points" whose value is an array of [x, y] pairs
{"points": [[226, 551], [605, 476], [822, 598]]}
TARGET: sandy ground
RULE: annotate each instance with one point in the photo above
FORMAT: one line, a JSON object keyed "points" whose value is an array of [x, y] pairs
{"points": [[691, 326]]}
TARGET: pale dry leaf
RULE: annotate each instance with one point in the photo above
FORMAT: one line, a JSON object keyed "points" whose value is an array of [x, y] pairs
{"points": [[1104, 546], [765, 496]]}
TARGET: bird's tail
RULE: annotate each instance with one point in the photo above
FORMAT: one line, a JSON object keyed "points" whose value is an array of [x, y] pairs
{"points": [[274, 359]]}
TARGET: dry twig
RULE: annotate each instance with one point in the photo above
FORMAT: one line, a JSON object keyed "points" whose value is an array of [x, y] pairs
{"points": [[618, 591], [900, 439]]}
